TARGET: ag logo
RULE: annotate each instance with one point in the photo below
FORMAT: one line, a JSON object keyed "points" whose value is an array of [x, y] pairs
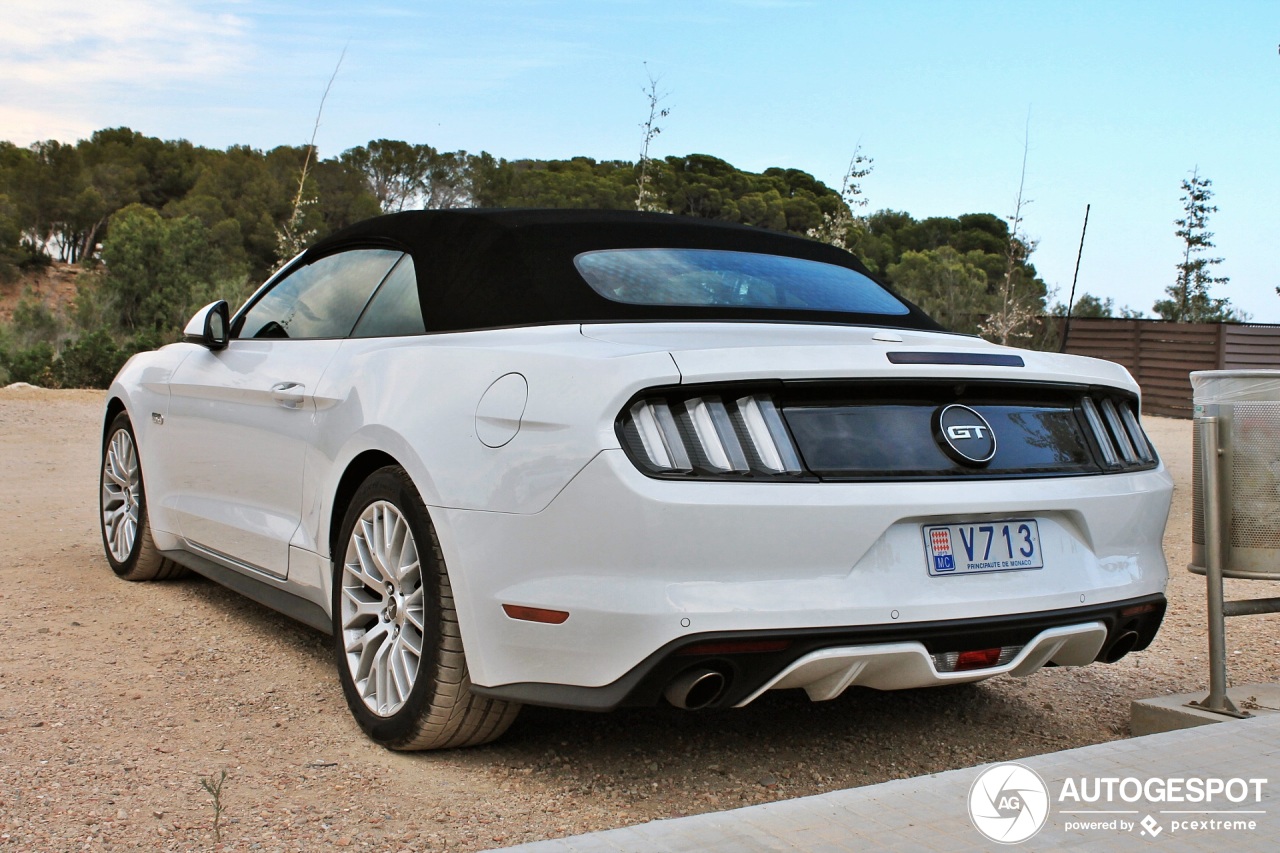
{"points": [[964, 435], [1008, 803]]}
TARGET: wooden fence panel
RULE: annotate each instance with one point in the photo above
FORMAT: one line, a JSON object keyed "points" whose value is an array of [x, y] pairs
{"points": [[1162, 355], [1114, 340], [1252, 348]]}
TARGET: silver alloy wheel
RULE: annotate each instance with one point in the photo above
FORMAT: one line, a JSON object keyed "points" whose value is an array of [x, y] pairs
{"points": [[382, 608], [121, 494]]}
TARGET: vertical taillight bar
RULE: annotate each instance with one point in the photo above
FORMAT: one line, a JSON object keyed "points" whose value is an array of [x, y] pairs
{"points": [[1099, 431], [1118, 431], [1138, 437], [715, 434], [659, 435], [763, 423]]}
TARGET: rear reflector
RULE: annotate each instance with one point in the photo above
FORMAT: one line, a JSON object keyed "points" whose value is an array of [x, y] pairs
{"points": [[535, 614], [1137, 609], [736, 647]]}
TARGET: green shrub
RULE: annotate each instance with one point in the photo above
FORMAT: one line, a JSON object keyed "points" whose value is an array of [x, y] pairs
{"points": [[34, 323], [91, 361], [33, 364]]}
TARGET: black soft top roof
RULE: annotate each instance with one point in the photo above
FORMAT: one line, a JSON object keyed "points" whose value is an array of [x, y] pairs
{"points": [[482, 269]]}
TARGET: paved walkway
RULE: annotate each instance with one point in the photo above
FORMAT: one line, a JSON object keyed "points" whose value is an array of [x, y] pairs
{"points": [[931, 813]]}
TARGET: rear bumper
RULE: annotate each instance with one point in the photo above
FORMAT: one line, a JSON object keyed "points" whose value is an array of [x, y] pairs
{"points": [[641, 564], [825, 662]]}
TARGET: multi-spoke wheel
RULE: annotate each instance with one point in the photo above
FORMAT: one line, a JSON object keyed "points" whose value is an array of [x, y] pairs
{"points": [[126, 533], [399, 651], [382, 608], [121, 495]]}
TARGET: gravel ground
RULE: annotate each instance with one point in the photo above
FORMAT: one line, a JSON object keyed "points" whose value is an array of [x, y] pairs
{"points": [[118, 699]]}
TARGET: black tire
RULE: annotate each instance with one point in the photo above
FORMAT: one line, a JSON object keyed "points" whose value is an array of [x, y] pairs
{"points": [[438, 710], [133, 557]]}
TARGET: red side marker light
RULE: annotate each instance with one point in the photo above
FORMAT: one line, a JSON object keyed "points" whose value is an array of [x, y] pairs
{"points": [[535, 614]]}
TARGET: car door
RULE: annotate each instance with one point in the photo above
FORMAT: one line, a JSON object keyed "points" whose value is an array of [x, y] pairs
{"points": [[240, 419]]}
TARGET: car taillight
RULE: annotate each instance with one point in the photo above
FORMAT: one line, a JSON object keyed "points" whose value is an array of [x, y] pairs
{"points": [[974, 659], [710, 435], [1115, 427]]}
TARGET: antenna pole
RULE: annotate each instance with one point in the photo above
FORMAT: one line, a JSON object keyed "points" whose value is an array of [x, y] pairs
{"points": [[1071, 300]]}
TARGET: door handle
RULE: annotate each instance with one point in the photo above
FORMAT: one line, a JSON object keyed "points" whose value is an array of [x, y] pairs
{"points": [[288, 394]]}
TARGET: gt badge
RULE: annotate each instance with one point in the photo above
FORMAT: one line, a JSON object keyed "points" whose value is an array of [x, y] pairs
{"points": [[964, 435]]}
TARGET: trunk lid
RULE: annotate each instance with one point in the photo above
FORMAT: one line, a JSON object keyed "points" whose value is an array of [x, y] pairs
{"points": [[713, 352]]}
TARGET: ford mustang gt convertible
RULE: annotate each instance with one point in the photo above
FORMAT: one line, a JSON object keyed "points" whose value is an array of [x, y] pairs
{"points": [[602, 459]]}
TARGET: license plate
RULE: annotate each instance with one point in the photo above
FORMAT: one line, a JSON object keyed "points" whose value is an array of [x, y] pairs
{"points": [[982, 546]]}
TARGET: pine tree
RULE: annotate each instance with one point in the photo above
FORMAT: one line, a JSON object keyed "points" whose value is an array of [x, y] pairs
{"points": [[1189, 298]]}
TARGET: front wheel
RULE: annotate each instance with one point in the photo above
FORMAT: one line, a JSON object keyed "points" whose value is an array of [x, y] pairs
{"points": [[122, 510], [396, 637]]}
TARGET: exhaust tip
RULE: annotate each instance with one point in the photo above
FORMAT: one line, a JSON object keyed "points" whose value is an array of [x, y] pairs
{"points": [[696, 689], [1124, 644]]}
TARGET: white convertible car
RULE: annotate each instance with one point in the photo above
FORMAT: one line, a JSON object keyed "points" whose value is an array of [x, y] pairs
{"points": [[599, 459]]}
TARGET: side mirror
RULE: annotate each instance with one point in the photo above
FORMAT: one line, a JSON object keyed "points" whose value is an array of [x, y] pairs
{"points": [[209, 327]]}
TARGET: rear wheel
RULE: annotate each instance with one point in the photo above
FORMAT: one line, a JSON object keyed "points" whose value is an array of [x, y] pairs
{"points": [[122, 505], [396, 637]]}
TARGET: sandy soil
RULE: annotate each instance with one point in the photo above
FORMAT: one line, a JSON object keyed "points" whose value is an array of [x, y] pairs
{"points": [[117, 699]]}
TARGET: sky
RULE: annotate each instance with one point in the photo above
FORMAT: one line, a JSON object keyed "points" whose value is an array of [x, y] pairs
{"points": [[1113, 103]]}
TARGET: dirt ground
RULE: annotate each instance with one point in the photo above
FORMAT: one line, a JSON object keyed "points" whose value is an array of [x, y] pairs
{"points": [[54, 286], [118, 699]]}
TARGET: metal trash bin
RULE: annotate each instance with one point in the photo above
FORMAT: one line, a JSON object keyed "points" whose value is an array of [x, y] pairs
{"points": [[1247, 406]]}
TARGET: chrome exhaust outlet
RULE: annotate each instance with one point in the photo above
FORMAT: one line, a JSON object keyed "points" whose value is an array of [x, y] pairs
{"points": [[1121, 647], [696, 689]]}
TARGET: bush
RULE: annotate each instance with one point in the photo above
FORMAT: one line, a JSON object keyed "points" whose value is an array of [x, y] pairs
{"points": [[34, 323], [34, 364], [90, 362], [32, 258]]}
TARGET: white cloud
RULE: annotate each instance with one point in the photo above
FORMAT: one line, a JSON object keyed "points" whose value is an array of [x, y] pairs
{"points": [[24, 126], [59, 59]]}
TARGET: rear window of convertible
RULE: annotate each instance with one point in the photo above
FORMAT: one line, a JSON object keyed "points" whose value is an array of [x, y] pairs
{"points": [[710, 277]]}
